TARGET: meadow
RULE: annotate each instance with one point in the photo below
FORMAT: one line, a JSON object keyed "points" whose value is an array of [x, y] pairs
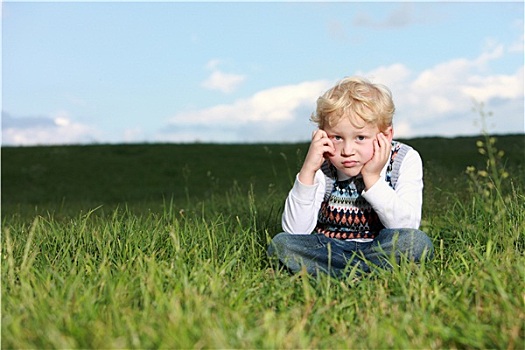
{"points": [[164, 246]]}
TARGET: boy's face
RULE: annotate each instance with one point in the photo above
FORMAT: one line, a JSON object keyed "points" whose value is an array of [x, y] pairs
{"points": [[353, 146]]}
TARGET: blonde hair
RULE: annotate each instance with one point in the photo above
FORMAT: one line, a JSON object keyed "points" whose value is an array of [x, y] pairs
{"points": [[357, 99]]}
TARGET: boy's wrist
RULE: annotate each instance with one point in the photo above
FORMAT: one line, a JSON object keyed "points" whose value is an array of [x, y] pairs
{"points": [[370, 181], [306, 177]]}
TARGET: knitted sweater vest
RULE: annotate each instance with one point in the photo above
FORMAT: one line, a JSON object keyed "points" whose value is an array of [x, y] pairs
{"points": [[344, 213]]}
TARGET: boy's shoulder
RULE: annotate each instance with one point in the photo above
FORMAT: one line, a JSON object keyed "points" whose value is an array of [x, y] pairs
{"points": [[403, 157], [400, 148], [396, 143]]}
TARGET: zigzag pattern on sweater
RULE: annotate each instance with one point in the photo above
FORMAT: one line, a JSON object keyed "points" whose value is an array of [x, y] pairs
{"points": [[344, 213]]}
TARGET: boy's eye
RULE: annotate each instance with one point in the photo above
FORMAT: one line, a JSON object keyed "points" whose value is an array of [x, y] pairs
{"points": [[361, 138]]}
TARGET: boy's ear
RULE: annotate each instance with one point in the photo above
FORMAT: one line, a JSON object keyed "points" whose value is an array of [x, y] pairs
{"points": [[389, 133]]}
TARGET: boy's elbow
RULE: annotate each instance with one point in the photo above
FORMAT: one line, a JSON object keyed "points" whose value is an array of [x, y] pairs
{"points": [[295, 228], [410, 220], [414, 221]]}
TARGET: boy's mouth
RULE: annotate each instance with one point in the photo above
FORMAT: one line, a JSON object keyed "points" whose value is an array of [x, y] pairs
{"points": [[349, 163]]}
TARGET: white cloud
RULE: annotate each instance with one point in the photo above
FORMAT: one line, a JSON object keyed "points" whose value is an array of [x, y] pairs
{"points": [[218, 80], [402, 129], [56, 129], [439, 100], [223, 82], [483, 88], [274, 105], [279, 114], [61, 119], [388, 75]]}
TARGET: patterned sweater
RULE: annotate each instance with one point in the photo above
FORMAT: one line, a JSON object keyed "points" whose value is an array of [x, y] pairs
{"points": [[344, 213], [339, 207]]}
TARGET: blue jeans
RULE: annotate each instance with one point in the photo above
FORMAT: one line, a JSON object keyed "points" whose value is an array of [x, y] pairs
{"points": [[318, 253]]}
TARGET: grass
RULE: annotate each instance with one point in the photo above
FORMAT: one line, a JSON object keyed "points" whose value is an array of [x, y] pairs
{"points": [[164, 246]]}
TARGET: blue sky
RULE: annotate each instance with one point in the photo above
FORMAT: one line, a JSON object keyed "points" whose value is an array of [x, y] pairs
{"points": [[117, 72]]}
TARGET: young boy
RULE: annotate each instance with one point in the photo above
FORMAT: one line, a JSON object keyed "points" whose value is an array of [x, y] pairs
{"points": [[357, 198]]}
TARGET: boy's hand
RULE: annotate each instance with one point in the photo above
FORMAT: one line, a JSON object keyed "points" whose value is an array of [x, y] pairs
{"points": [[372, 169], [320, 147]]}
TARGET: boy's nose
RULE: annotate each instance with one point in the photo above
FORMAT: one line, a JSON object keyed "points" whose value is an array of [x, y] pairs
{"points": [[348, 148]]}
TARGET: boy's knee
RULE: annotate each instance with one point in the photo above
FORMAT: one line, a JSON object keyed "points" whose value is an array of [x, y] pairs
{"points": [[276, 244], [421, 245], [415, 244]]}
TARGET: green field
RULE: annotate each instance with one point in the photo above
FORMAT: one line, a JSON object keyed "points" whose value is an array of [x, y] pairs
{"points": [[164, 246]]}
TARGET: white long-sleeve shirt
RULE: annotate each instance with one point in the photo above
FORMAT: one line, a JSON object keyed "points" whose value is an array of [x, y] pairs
{"points": [[399, 208]]}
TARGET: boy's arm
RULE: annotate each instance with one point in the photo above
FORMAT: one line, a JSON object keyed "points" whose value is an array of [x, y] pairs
{"points": [[400, 208], [320, 147], [302, 205]]}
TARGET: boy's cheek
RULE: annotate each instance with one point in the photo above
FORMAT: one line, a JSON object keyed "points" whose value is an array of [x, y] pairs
{"points": [[330, 157], [369, 151]]}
